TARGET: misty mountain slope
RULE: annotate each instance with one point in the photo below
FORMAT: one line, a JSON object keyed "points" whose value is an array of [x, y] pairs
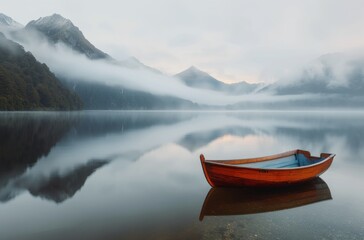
{"points": [[95, 94], [196, 78], [339, 73], [59, 29], [26, 84], [127, 84], [134, 63], [8, 22], [56, 29], [100, 96]]}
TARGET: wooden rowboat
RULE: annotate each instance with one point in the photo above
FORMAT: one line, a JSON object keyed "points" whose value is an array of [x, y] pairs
{"points": [[241, 201], [275, 170]]}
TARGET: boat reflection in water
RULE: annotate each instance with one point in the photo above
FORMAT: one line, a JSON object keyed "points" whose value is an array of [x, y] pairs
{"points": [[240, 201]]}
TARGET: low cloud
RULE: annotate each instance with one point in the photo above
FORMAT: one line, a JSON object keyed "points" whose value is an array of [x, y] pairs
{"points": [[337, 73], [334, 71], [69, 64]]}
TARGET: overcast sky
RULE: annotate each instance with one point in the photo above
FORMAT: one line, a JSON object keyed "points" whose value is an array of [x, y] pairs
{"points": [[233, 40]]}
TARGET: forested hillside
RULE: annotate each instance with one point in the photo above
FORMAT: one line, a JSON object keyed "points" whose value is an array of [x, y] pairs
{"points": [[26, 84]]}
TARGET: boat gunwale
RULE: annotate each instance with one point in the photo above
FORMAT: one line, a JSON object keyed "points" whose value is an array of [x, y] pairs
{"points": [[269, 158]]}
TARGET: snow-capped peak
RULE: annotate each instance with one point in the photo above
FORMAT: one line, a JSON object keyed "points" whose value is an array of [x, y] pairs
{"points": [[55, 21]]}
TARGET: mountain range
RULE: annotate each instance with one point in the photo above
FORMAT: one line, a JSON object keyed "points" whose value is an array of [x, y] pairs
{"points": [[59, 29], [329, 74], [56, 29]]}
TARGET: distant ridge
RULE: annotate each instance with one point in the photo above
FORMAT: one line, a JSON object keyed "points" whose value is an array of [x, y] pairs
{"points": [[196, 78], [334, 73]]}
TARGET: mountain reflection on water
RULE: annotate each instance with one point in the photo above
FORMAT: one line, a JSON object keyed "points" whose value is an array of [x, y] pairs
{"points": [[118, 172], [29, 138]]}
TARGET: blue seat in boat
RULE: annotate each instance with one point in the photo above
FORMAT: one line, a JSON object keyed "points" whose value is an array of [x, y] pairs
{"points": [[296, 160]]}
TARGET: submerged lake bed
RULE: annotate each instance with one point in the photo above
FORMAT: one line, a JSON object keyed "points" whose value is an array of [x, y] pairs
{"points": [[137, 175]]}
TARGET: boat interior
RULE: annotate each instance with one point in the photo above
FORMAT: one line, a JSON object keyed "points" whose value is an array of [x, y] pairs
{"points": [[292, 161]]}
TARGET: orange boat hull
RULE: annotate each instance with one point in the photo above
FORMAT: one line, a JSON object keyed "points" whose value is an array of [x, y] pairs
{"points": [[219, 174]]}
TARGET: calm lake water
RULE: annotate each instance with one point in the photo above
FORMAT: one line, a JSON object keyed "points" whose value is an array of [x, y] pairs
{"points": [[137, 175]]}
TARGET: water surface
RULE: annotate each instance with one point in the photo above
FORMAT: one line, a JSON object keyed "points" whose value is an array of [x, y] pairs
{"points": [[137, 175]]}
